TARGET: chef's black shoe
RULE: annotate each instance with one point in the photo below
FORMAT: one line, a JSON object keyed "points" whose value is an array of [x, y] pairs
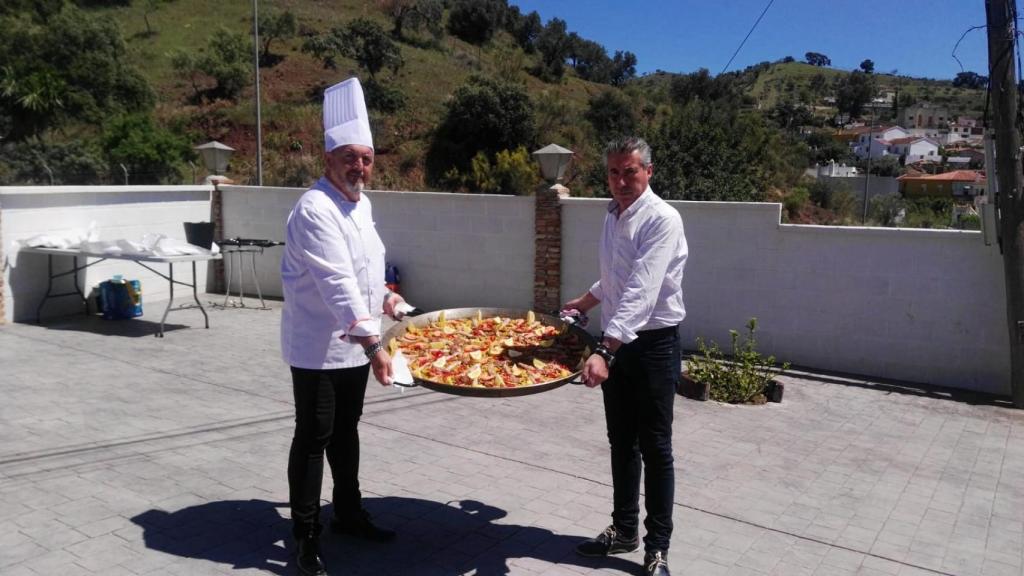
{"points": [[361, 526], [307, 557]]}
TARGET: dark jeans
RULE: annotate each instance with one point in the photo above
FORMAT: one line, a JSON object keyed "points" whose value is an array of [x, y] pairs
{"points": [[328, 405], [638, 397]]}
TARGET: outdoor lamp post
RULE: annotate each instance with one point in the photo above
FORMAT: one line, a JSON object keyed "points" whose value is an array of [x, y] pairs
{"points": [[215, 159], [547, 259], [553, 161]]}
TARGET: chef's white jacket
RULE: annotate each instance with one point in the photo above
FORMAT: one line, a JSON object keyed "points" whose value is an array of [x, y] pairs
{"points": [[332, 273]]}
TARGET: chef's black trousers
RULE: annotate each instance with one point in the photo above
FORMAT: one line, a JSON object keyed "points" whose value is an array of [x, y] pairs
{"points": [[328, 405]]}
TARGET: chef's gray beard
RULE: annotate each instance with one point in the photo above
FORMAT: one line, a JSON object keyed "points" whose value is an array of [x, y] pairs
{"points": [[350, 189]]}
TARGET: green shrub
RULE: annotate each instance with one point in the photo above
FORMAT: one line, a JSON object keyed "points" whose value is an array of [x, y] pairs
{"points": [[512, 173], [794, 201], [737, 380], [969, 222]]}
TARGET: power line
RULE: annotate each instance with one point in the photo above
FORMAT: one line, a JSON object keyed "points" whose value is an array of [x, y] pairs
{"points": [[770, 2], [957, 45]]}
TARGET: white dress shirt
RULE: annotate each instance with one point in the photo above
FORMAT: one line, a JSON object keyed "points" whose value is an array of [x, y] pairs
{"points": [[332, 273], [642, 255]]}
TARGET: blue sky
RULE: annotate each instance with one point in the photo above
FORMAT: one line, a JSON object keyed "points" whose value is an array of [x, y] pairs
{"points": [[912, 36]]}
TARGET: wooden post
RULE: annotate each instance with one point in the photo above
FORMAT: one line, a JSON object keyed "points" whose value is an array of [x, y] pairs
{"points": [[1001, 15]]}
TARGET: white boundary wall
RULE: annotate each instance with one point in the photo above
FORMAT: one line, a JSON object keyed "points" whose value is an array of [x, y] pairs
{"points": [[119, 212], [917, 305], [452, 250]]}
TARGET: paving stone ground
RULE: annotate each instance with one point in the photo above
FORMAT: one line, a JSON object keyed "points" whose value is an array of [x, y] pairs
{"points": [[126, 454]]}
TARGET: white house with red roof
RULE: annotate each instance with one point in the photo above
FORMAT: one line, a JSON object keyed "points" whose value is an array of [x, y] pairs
{"points": [[914, 148], [881, 141], [870, 138]]}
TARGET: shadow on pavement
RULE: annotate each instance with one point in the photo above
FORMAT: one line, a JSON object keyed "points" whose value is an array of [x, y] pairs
{"points": [[133, 328], [434, 538], [242, 533], [889, 386]]}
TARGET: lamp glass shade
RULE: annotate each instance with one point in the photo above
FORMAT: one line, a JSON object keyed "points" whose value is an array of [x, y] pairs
{"points": [[215, 156], [553, 160]]}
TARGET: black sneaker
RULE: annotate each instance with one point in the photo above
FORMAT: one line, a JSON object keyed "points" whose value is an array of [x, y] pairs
{"points": [[608, 542], [361, 526], [307, 557], [656, 564]]}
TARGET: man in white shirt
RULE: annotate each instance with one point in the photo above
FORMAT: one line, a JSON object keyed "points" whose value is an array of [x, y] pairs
{"points": [[332, 273], [638, 363]]}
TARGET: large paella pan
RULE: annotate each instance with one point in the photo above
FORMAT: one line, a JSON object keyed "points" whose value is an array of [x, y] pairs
{"points": [[490, 352]]}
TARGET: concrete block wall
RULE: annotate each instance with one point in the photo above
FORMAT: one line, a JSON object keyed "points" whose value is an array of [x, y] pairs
{"points": [[452, 249], [456, 250], [916, 305], [256, 212], [119, 212]]}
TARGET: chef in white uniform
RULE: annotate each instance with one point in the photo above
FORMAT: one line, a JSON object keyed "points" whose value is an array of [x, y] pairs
{"points": [[332, 273]]}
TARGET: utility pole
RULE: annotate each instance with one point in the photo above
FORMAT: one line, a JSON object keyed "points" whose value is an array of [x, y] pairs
{"points": [[1001, 16], [256, 66], [867, 173]]}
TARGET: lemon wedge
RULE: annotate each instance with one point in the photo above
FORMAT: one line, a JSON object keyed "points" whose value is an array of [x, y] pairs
{"points": [[495, 350], [530, 317], [440, 363], [474, 372], [441, 318], [476, 355], [508, 342], [537, 363]]}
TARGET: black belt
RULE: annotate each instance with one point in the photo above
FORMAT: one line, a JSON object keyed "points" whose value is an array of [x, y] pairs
{"points": [[653, 333], [656, 332]]}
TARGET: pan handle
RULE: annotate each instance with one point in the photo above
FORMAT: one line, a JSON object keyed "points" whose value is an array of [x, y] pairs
{"points": [[573, 317], [401, 385]]}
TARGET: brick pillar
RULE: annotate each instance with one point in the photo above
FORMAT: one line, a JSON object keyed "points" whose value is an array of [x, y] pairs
{"points": [[217, 217], [547, 260]]}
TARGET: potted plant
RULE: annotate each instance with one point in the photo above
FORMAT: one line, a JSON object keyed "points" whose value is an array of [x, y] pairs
{"points": [[747, 377]]}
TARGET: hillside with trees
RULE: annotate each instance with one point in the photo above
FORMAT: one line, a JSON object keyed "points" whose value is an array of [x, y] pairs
{"points": [[460, 92]]}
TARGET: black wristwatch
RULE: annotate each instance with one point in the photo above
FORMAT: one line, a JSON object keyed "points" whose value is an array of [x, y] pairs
{"points": [[604, 352]]}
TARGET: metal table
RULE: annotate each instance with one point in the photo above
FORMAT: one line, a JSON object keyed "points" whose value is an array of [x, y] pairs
{"points": [[235, 250], [139, 259]]}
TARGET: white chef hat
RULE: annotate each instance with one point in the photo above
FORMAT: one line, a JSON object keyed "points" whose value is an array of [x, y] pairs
{"points": [[345, 118]]}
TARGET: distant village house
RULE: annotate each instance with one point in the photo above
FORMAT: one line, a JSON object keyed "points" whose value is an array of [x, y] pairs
{"points": [[924, 115], [964, 184]]}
